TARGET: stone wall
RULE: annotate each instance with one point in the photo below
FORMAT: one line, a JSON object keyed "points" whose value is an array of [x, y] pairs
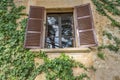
{"points": [[100, 23]]}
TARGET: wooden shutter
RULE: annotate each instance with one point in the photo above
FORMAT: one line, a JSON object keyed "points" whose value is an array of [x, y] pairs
{"points": [[85, 26], [33, 38]]}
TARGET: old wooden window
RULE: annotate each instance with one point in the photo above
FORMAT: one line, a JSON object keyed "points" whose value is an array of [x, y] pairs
{"points": [[60, 30]]}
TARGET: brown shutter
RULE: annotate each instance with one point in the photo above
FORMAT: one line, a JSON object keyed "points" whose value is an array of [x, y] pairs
{"points": [[85, 26], [33, 38]]}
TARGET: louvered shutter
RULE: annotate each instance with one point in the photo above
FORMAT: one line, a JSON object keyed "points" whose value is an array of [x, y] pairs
{"points": [[33, 38], [85, 26]]}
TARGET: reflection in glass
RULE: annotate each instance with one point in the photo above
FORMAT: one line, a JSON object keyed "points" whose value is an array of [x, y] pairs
{"points": [[67, 30], [67, 42], [59, 31]]}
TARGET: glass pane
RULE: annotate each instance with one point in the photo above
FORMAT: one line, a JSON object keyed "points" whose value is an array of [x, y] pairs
{"points": [[59, 31], [52, 32], [66, 19], [67, 41], [57, 45], [53, 28], [67, 31]]}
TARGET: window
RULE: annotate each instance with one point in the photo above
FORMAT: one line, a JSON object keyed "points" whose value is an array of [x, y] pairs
{"points": [[60, 30]]}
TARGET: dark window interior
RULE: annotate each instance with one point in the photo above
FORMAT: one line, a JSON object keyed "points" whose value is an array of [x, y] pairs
{"points": [[59, 31]]}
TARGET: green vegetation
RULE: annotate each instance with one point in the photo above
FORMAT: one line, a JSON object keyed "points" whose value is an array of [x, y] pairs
{"points": [[59, 68], [101, 55], [108, 8], [17, 63], [112, 47], [93, 68]]}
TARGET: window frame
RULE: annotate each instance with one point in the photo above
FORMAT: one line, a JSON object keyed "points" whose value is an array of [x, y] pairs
{"points": [[59, 15], [76, 30]]}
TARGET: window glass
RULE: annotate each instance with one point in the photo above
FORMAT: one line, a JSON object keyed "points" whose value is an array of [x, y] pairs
{"points": [[59, 31]]}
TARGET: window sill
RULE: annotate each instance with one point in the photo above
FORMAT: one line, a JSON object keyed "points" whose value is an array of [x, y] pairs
{"points": [[64, 50]]}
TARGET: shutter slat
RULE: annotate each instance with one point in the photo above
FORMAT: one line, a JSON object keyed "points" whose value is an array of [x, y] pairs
{"points": [[85, 23], [33, 39], [87, 38], [82, 10], [85, 26], [34, 25], [34, 29], [36, 12]]}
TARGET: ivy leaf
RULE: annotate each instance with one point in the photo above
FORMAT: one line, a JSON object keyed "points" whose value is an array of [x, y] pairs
{"points": [[1, 36]]}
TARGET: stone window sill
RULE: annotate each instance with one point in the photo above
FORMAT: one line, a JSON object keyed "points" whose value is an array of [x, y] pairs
{"points": [[64, 50]]}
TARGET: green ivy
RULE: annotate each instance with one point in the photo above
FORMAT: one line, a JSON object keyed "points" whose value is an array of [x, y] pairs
{"points": [[17, 63], [101, 55], [59, 68], [108, 6], [112, 47]]}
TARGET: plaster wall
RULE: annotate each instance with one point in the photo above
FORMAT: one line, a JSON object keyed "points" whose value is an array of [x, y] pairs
{"points": [[99, 22]]}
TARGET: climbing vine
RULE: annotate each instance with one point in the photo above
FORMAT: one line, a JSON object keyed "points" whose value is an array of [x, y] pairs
{"points": [[60, 68], [17, 63], [109, 8]]}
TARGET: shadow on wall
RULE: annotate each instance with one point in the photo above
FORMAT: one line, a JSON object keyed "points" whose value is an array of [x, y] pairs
{"points": [[116, 78]]}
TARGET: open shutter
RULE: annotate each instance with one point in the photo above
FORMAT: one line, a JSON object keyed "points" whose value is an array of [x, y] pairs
{"points": [[85, 26], [33, 38]]}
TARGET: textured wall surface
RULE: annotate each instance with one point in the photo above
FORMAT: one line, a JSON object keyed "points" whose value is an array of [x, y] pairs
{"points": [[100, 23]]}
